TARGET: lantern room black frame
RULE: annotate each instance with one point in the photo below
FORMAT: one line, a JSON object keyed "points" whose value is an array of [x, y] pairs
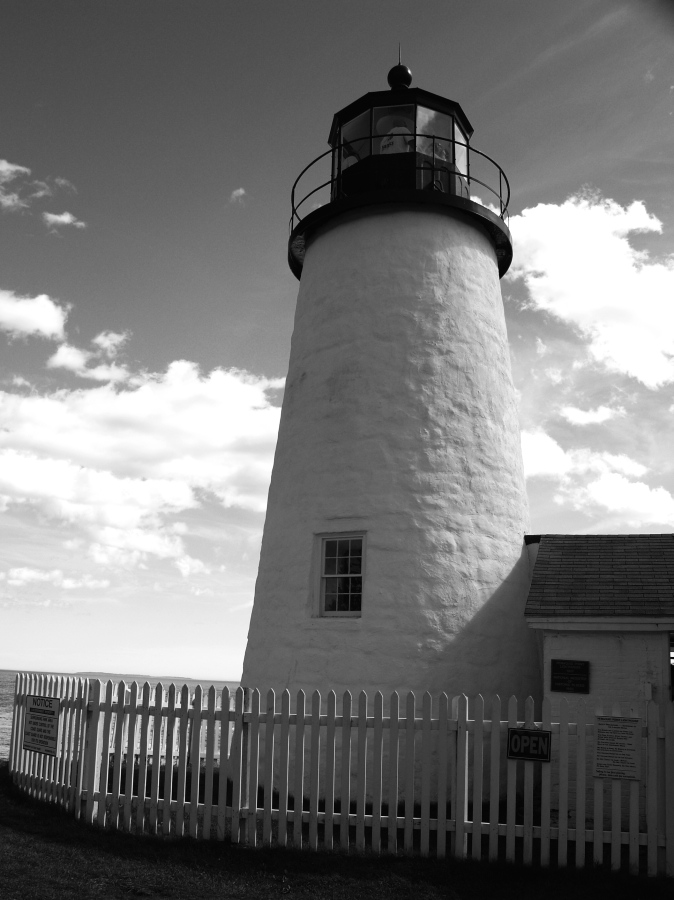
{"points": [[411, 178]]}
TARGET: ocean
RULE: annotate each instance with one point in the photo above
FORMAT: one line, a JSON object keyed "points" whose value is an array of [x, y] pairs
{"points": [[8, 678]]}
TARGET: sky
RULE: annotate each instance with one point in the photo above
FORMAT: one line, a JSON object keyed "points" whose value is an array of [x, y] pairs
{"points": [[147, 153]]}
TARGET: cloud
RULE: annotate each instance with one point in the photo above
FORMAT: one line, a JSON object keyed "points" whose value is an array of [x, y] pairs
{"points": [[618, 297], [55, 220], [23, 316], [76, 360], [237, 195], [543, 457], [20, 577], [18, 192], [65, 185], [110, 342], [117, 465], [188, 566], [9, 172], [591, 416], [123, 518], [598, 484], [68, 357]]}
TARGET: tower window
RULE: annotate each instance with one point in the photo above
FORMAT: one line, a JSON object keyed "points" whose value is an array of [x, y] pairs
{"points": [[342, 575]]}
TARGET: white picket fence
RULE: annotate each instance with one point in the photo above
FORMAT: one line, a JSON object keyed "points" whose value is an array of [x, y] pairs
{"points": [[337, 774]]}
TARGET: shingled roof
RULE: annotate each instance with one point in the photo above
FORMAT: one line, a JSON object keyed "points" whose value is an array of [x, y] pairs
{"points": [[603, 575]]}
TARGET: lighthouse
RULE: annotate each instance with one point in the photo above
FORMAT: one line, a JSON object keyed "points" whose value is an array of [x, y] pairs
{"points": [[393, 553]]}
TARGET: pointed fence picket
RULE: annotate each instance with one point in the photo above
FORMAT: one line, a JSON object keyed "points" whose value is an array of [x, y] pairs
{"points": [[425, 776]]}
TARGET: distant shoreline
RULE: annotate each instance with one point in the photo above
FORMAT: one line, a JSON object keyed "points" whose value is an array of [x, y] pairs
{"points": [[129, 677]]}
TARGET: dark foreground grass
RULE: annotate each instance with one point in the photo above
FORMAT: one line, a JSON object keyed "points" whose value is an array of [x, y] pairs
{"points": [[46, 855]]}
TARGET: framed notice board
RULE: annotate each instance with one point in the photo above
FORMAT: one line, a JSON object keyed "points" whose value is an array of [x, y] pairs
{"points": [[570, 676], [41, 725]]}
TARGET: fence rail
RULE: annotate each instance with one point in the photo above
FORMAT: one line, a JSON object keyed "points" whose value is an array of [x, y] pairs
{"points": [[412, 775]]}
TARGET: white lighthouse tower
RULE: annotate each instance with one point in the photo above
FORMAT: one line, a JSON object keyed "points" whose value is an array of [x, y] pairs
{"points": [[393, 549]]}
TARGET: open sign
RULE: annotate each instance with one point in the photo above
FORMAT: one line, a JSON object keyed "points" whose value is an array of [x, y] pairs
{"points": [[526, 743]]}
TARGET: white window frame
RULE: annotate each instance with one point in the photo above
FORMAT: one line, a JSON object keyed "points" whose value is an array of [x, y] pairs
{"points": [[323, 576]]}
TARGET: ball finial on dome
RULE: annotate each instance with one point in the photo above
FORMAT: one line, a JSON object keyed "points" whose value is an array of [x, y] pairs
{"points": [[399, 77]]}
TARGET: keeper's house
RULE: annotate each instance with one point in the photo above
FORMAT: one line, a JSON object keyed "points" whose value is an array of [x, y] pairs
{"points": [[603, 606]]}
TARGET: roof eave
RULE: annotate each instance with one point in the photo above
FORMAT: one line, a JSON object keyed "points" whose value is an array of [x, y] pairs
{"points": [[601, 623]]}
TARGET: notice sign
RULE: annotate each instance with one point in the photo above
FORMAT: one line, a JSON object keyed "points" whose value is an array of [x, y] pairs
{"points": [[529, 743], [570, 676], [41, 727], [618, 748]]}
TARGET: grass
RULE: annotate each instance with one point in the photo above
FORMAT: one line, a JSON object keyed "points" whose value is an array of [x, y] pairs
{"points": [[45, 854]]}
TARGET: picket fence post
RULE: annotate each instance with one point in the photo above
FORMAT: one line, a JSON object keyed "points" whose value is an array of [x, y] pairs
{"points": [[13, 744], [284, 753], [409, 773], [669, 787], [157, 728], [345, 783], [392, 818], [443, 764], [269, 768], [314, 765], [494, 776], [460, 713], [511, 787], [92, 759], [328, 830], [528, 790], [254, 752], [143, 758], [581, 781], [377, 772], [195, 761], [224, 763], [478, 761]]}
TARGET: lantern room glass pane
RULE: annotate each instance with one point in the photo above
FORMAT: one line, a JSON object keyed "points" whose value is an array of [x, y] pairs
{"points": [[355, 140], [392, 129], [434, 150], [461, 150], [430, 124]]}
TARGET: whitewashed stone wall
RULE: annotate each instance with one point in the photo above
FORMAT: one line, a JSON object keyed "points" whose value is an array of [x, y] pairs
{"points": [[399, 420]]}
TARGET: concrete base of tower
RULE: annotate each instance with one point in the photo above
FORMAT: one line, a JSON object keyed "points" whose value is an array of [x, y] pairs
{"points": [[399, 424]]}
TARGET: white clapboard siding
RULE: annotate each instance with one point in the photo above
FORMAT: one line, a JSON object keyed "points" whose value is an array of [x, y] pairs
{"points": [[423, 775]]}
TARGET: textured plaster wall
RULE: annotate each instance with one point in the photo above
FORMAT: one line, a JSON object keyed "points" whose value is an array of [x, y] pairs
{"points": [[622, 664], [399, 420]]}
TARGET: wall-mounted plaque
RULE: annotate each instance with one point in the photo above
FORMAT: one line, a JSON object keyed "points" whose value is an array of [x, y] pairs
{"points": [[570, 676]]}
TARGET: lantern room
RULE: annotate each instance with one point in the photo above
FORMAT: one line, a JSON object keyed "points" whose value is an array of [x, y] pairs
{"points": [[405, 139], [405, 145]]}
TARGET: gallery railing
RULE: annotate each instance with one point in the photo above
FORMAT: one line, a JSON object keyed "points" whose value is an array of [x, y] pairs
{"points": [[431, 163]]}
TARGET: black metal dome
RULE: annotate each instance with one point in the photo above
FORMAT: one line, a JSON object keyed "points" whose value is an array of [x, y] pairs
{"points": [[399, 77]]}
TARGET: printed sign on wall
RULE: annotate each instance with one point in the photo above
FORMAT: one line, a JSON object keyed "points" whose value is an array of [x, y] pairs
{"points": [[41, 726], [618, 748]]}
